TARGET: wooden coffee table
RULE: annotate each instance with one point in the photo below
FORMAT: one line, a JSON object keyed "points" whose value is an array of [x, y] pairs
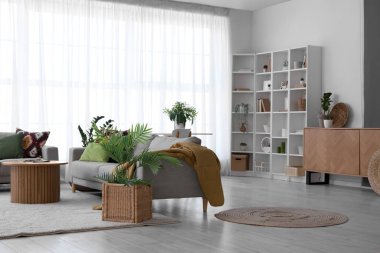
{"points": [[35, 182]]}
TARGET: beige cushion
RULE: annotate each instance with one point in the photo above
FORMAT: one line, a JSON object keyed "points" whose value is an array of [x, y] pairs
{"points": [[165, 142]]}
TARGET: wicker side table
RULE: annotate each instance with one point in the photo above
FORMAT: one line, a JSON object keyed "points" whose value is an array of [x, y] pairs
{"points": [[35, 182]]}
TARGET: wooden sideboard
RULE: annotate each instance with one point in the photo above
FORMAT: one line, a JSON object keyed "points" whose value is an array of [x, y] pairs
{"points": [[342, 151]]}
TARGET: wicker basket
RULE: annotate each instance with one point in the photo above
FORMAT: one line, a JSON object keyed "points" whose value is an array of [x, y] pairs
{"points": [[126, 203]]}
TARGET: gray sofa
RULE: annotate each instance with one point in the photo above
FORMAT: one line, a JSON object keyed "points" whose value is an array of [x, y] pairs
{"points": [[170, 182], [48, 152]]}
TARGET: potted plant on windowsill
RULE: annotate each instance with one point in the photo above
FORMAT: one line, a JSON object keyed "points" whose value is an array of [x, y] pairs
{"points": [[125, 197], [325, 104], [180, 113]]}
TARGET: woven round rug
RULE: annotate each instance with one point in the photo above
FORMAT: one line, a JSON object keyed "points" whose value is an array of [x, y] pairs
{"points": [[374, 172], [282, 217]]}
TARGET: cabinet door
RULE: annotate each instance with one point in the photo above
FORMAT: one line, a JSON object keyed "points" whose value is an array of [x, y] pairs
{"points": [[333, 151], [369, 143]]}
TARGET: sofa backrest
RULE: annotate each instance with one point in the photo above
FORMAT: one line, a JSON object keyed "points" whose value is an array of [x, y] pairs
{"points": [[4, 134], [141, 146], [165, 142]]}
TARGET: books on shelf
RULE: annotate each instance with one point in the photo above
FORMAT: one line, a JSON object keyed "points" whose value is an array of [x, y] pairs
{"points": [[263, 105]]}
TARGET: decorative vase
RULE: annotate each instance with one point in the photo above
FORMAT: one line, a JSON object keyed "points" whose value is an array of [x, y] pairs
{"points": [[126, 203], [179, 125], [327, 123], [243, 128]]}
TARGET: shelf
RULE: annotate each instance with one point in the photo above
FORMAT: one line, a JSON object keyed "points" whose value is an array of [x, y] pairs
{"points": [[262, 153], [298, 112], [298, 155], [280, 71], [263, 91], [279, 154], [243, 91], [297, 89], [247, 54], [296, 134], [245, 152], [279, 90], [279, 137], [262, 133], [243, 72], [300, 69], [241, 113], [263, 73], [262, 113], [280, 112], [242, 132]]}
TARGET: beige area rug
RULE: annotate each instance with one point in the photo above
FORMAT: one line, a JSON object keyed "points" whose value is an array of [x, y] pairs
{"points": [[72, 214], [282, 217]]}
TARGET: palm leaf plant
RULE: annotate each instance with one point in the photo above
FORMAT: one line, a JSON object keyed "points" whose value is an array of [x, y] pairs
{"points": [[121, 149]]}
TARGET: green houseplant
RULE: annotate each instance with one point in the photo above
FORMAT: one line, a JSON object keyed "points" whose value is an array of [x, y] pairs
{"points": [[180, 113], [125, 197], [90, 135], [325, 104]]}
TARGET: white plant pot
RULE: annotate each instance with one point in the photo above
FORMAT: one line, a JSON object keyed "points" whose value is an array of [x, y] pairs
{"points": [[328, 123], [179, 126]]}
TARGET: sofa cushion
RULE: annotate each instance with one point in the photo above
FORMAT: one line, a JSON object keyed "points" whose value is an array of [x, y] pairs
{"points": [[141, 146], [33, 142], [10, 146], [86, 170], [165, 142], [94, 152]]}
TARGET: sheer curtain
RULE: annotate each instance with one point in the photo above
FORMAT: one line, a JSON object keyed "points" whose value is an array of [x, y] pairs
{"points": [[63, 62]]}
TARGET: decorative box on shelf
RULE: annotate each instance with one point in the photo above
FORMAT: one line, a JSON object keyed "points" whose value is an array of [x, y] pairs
{"points": [[295, 171]]}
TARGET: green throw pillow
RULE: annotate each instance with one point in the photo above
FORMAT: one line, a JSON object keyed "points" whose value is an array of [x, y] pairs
{"points": [[94, 152], [11, 146]]}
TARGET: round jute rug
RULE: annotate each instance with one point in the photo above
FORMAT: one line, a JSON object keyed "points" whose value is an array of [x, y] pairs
{"points": [[282, 217]]}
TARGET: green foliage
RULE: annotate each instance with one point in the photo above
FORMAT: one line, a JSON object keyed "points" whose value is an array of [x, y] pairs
{"points": [[181, 112], [325, 104], [121, 149], [91, 135]]}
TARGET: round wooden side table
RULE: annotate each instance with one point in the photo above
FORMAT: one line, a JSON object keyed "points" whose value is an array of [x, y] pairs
{"points": [[35, 182]]}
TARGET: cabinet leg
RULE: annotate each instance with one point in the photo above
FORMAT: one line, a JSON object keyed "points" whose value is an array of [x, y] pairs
{"points": [[73, 187], [205, 202], [310, 182]]}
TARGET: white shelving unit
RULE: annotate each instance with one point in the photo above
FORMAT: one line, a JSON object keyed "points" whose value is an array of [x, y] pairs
{"points": [[243, 93], [293, 105]]}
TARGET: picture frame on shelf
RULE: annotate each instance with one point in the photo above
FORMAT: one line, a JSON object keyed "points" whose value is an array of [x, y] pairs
{"points": [[267, 85], [284, 85]]}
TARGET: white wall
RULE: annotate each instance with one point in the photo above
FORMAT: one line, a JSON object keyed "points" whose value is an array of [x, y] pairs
{"points": [[241, 31], [337, 26]]}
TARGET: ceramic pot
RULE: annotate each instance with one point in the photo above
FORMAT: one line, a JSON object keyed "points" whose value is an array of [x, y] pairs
{"points": [[327, 123], [179, 126]]}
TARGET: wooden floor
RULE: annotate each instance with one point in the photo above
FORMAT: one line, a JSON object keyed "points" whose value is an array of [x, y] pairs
{"points": [[204, 233]]}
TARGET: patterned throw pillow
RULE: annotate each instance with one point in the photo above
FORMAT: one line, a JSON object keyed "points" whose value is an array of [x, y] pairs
{"points": [[32, 143]]}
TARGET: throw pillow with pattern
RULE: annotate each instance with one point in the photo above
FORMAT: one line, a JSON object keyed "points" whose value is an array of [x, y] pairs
{"points": [[33, 142]]}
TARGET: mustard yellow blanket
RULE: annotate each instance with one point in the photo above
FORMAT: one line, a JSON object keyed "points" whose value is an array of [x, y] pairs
{"points": [[207, 166]]}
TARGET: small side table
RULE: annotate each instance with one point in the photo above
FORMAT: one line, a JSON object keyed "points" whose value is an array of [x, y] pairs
{"points": [[35, 182]]}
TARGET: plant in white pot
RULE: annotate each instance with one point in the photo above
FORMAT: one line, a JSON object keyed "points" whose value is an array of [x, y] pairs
{"points": [[325, 104], [180, 113], [125, 197]]}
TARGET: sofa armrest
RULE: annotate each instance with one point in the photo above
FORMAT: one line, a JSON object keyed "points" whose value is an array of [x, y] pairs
{"points": [[50, 153], [75, 153]]}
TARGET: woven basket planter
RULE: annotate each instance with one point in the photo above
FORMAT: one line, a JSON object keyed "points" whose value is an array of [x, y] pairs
{"points": [[126, 203]]}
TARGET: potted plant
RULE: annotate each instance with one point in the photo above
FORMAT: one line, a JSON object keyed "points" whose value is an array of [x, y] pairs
{"points": [[180, 113], [325, 104], [243, 146], [124, 196]]}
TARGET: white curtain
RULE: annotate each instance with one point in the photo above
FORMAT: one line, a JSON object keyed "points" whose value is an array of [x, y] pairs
{"points": [[63, 62]]}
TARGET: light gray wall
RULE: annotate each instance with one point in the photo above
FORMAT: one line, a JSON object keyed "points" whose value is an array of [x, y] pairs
{"points": [[337, 26], [371, 63], [241, 31]]}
